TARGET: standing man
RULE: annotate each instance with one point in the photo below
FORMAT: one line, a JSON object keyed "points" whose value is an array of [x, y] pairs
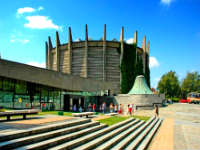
{"points": [[89, 107], [156, 111]]}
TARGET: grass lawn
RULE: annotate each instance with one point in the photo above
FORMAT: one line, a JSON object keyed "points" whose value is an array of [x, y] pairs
{"points": [[145, 118], [113, 120], [55, 113]]}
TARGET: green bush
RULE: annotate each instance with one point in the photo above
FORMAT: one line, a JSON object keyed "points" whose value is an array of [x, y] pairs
{"points": [[60, 113]]}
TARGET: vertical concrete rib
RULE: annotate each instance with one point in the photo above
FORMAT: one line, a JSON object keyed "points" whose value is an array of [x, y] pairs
{"points": [[122, 49], [135, 39], [49, 53], [46, 54], [144, 53], [70, 50], [147, 55], [104, 54], [85, 67], [57, 52]]}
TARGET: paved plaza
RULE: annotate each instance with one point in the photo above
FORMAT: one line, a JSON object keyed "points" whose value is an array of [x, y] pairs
{"points": [[183, 120], [18, 124], [179, 130]]}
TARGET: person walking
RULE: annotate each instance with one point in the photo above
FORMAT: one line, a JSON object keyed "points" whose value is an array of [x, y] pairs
{"points": [[130, 109], [74, 108], [116, 108], [120, 109], [89, 107], [93, 107], [111, 108], [156, 111], [100, 108], [80, 109]]}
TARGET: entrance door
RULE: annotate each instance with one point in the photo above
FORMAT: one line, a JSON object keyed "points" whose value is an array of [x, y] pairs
{"points": [[76, 102], [66, 103]]}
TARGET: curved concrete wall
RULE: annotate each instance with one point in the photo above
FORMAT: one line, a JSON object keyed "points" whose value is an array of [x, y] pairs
{"points": [[143, 101]]}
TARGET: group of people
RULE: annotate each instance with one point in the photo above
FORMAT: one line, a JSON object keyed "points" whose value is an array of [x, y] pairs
{"points": [[131, 109], [91, 107], [112, 108], [75, 108], [118, 108]]}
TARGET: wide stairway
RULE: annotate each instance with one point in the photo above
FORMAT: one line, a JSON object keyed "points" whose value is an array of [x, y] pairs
{"points": [[82, 134]]}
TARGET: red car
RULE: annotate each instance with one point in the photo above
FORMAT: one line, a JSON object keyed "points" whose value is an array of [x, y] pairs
{"points": [[184, 101]]}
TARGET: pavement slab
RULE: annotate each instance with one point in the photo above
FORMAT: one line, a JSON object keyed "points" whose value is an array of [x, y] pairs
{"points": [[183, 121], [164, 139]]}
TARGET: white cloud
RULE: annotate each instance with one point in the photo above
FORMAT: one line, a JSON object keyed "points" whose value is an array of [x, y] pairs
{"points": [[153, 62], [19, 37], [22, 41], [166, 2], [25, 10], [36, 64], [129, 41], [40, 22]]}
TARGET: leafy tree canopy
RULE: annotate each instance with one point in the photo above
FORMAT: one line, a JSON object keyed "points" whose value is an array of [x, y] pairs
{"points": [[169, 84], [191, 83]]}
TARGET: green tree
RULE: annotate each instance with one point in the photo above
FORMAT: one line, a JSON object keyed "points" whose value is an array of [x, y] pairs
{"points": [[191, 83], [169, 85]]}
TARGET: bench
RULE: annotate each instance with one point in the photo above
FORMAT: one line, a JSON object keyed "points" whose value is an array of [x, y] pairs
{"points": [[83, 114], [8, 114]]}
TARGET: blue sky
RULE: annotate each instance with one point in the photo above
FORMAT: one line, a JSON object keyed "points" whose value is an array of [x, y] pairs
{"points": [[172, 26]]}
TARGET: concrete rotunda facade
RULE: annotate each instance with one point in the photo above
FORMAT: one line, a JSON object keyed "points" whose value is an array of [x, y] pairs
{"points": [[98, 60]]}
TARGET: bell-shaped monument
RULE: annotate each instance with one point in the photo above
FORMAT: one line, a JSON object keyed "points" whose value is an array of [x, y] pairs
{"points": [[140, 95], [140, 86]]}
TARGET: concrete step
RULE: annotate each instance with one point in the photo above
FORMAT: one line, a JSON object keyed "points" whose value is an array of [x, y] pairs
{"points": [[61, 139], [122, 144], [44, 136], [143, 145], [108, 136], [22, 133], [118, 138], [140, 137], [90, 137]]}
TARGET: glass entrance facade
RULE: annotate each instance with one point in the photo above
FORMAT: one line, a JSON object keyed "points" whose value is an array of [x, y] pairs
{"points": [[19, 94]]}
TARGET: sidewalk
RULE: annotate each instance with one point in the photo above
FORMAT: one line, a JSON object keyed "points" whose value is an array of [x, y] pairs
{"points": [[164, 139], [42, 120], [100, 117], [31, 123]]}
